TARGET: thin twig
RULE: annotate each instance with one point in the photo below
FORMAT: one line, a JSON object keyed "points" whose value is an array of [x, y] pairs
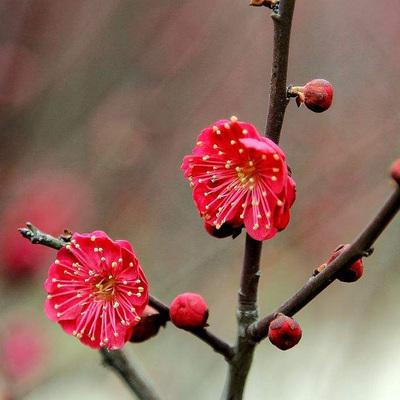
{"points": [[36, 236], [130, 374], [361, 247], [216, 343], [278, 99]]}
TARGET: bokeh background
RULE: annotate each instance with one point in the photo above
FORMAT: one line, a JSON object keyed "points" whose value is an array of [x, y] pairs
{"points": [[99, 102]]}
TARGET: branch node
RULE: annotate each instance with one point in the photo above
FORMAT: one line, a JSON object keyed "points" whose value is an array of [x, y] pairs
{"points": [[368, 252], [275, 15]]}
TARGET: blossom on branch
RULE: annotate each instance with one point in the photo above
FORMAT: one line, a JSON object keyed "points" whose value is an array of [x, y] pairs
{"points": [[240, 178], [97, 290]]}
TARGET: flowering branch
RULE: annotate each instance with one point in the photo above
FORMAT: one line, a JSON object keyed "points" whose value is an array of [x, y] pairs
{"points": [[247, 310], [36, 236], [361, 247], [115, 359]]}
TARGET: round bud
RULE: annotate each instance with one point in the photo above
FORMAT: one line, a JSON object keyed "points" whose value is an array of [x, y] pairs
{"points": [[353, 272], [224, 231], [148, 326], [189, 311], [395, 171], [284, 332], [318, 95]]}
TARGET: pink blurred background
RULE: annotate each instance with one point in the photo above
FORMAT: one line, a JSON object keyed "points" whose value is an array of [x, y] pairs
{"points": [[99, 102]]}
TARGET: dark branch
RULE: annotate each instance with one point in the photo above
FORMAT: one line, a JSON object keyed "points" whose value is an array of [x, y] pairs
{"points": [[278, 99], [247, 296], [247, 311], [130, 374], [361, 247], [217, 344], [35, 236]]}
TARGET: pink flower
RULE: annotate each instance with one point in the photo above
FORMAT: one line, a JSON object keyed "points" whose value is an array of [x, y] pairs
{"points": [[97, 290], [240, 178]]}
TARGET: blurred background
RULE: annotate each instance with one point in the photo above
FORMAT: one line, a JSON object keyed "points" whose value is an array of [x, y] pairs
{"points": [[99, 102]]}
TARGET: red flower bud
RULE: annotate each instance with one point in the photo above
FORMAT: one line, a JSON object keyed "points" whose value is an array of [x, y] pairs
{"points": [[395, 171], [316, 95], [284, 332], [189, 311], [148, 326], [224, 231], [353, 272]]}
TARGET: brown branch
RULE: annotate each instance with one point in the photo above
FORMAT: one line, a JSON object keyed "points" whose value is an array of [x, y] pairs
{"points": [[217, 344], [278, 99], [361, 247], [130, 374], [247, 311]]}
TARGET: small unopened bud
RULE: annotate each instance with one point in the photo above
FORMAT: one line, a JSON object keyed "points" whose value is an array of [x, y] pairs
{"points": [[353, 272], [189, 311], [148, 326], [316, 95], [395, 171], [284, 332], [224, 231], [319, 269], [266, 3]]}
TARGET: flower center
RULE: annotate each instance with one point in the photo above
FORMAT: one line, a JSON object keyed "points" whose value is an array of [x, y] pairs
{"points": [[246, 175], [105, 289]]}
